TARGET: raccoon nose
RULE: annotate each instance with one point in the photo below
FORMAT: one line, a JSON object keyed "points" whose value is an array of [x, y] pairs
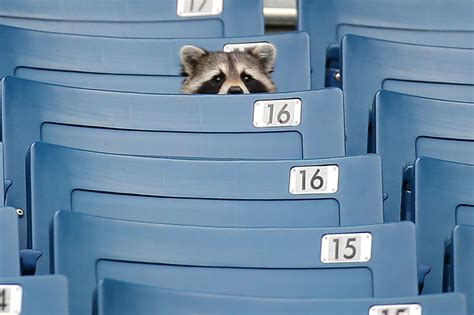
{"points": [[235, 90]]}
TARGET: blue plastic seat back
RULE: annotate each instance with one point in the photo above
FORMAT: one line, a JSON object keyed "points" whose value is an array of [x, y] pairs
{"points": [[162, 125], [408, 127], [443, 198], [370, 65], [233, 261], [440, 23], [140, 19], [153, 300], [9, 243], [463, 260], [232, 193], [2, 175], [40, 294], [134, 65]]}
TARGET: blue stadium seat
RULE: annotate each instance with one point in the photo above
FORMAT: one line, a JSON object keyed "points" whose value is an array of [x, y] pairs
{"points": [[235, 261], [40, 294], [200, 192], [2, 175], [408, 127], [443, 198], [463, 260], [9, 244], [161, 125], [137, 18], [434, 23], [370, 65], [153, 300], [14, 262], [133, 65]]}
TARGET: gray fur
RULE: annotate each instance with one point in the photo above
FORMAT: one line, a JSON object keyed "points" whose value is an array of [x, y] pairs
{"points": [[201, 66]]}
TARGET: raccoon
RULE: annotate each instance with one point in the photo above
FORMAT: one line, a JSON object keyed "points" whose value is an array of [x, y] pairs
{"points": [[240, 72]]}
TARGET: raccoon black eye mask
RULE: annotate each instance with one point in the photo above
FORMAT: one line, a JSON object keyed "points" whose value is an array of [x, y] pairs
{"points": [[228, 73]]}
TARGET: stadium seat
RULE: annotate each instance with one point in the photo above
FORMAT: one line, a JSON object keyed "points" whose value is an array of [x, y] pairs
{"points": [[153, 300], [291, 263], [2, 175], [9, 244], [137, 18], [34, 295], [229, 193], [370, 65], [133, 65], [463, 260], [14, 261], [164, 125], [408, 127], [437, 23], [443, 198]]}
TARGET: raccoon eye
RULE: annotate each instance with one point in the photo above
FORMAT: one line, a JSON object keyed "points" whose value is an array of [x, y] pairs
{"points": [[246, 77], [217, 78]]}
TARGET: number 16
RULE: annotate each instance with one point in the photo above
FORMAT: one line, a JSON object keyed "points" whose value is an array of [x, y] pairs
{"points": [[282, 113], [315, 178]]}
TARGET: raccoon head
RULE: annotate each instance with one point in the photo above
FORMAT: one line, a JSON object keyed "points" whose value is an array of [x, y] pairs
{"points": [[239, 72]]}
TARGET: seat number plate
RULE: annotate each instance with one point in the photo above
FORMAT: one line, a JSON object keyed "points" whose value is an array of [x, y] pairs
{"points": [[346, 248], [199, 7], [314, 180], [401, 309], [10, 299], [240, 47], [277, 113]]}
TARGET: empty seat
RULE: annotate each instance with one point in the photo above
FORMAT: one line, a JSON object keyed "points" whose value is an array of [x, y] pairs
{"points": [[134, 65], [370, 65], [9, 243], [34, 295], [443, 198], [408, 127], [286, 263], [142, 18], [463, 260], [153, 300], [232, 193], [167, 125], [439, 23]]}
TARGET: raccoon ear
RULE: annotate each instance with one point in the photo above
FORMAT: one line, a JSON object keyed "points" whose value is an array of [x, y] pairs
{"points": [[267, 54], [189, 57]]}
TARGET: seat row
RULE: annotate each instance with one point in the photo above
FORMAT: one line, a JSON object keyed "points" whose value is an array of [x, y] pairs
{"points": [[159, 266], [216, 261]]}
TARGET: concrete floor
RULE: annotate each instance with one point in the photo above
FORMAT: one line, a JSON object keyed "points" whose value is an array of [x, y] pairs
{"points": [[280, 15]]}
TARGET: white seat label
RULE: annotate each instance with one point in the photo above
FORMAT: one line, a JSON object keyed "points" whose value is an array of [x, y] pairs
{"points": [[199, 7], [241, 47], [277, 113], [401, 309], [314, 180], [346, 248], [10, 299]]}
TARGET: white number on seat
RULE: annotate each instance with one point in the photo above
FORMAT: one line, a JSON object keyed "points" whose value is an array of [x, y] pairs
{"points": [[277, 113], [10, 299], [314, 180], [241, 46], [401, 309], [344, 248], [199, 7]]}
